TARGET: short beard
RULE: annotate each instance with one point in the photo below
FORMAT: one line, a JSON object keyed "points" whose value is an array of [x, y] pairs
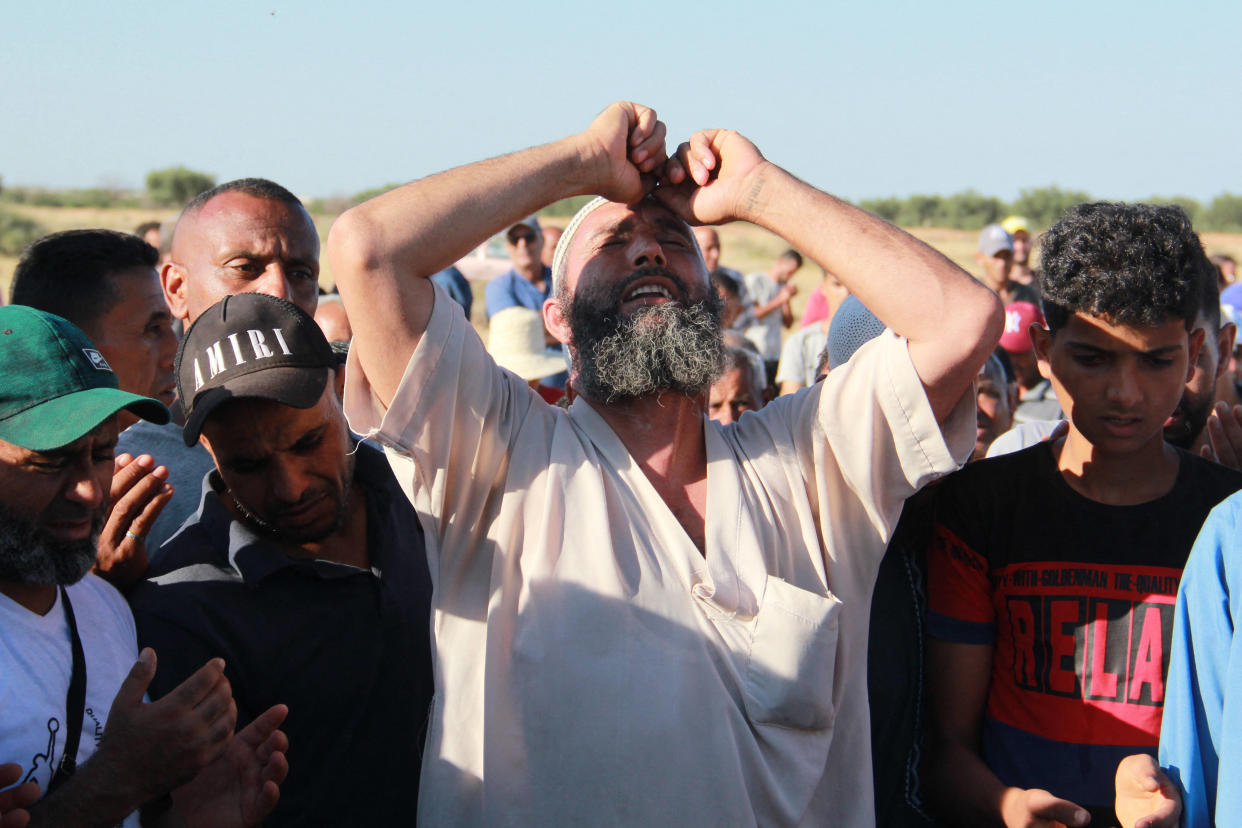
{"points": [[269, 529], [1194, 419], [29, 556], [664, 347]]}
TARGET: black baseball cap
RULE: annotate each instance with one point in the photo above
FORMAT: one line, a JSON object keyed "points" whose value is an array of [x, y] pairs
{"points": [[250, 346]]}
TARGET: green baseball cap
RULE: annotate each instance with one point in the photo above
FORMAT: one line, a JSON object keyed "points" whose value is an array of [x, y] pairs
{"points": [[55, 386]]}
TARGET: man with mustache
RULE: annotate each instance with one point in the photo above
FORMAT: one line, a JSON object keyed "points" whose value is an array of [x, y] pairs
{"points": [[105, 282], [303, 567], [643, 617], [70, 691]]}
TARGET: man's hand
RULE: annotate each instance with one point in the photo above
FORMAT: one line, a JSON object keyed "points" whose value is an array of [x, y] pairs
{"points": [[160, 745], [14, 801], [713, 178], [1146, 798], [1036, 808], [624, 147], [140, 491], [242, 786], [1224, 431]]}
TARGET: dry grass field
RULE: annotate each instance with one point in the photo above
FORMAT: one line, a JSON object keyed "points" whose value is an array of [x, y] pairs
{"points": [[744, 247]]}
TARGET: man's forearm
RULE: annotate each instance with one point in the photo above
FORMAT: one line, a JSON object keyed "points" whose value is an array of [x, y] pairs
{"points": [[951, 321], [424, 226], [97, 794]]}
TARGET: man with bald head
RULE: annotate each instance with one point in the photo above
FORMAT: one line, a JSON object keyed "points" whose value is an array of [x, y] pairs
{"points": [[245, 236], [640, 613]]}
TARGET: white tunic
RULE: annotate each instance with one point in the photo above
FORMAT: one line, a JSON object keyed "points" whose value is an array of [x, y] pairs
{"points": [[592, 667]]}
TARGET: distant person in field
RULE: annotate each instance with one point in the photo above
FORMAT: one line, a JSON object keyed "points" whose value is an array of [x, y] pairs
{"points": [[551, 235], [331, 318], [995, 258], [245, 236], [1228, 269], [735, 314], [528, 284], [1037, 397], [105, 282], [149, 232], [741, 387], [458, 287], [824, 300], [1052, 572], [770, 294], [1022, 273], [800, 353]]}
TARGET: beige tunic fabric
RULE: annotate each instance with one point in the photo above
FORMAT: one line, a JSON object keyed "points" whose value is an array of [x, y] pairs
{"points": [[592, 668]]}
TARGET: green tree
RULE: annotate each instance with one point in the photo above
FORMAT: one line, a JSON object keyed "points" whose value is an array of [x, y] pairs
{"points": [[1042, 206], [1192, 207], [971, 210], [1224, 213], [888, 209], [16, 232], [921, 211], [175, 186]]}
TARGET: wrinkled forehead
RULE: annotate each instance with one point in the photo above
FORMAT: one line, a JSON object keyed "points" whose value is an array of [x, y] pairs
{"points": [[235, 218], [601, 218]]}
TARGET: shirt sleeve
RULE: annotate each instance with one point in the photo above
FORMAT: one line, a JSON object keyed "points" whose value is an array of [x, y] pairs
{"points": [[959, 586], [869, 430], [1205, 667], [501, 293], [453, 424], [791, 367]]}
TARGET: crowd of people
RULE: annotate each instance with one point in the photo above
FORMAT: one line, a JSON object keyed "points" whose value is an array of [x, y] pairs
{"points": [[648, 555]]}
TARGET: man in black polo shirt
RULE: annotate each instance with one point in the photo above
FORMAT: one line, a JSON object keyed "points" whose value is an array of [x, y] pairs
{"points": [[304, 568]]}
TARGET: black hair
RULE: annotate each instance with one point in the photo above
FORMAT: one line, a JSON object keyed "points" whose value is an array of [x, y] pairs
{"points": [[1132, 264], [254, 187], [792, 255], [727, 283], [68, 273]]}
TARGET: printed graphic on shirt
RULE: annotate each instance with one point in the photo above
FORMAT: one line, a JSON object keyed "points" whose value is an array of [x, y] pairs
{"points": [[46, 759], [1081, 650]]}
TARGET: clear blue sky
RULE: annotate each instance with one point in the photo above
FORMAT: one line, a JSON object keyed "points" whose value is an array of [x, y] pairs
{"points": [[1123, 100]]}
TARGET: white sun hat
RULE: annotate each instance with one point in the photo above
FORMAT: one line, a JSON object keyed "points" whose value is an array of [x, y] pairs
{"points": [[515, 341]]}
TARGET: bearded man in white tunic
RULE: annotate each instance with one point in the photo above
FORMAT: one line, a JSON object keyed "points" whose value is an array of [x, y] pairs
{"points": [[642, 617]]}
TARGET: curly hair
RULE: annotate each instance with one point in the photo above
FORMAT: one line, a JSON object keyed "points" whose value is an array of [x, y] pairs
{"points": [[1132, 264]]}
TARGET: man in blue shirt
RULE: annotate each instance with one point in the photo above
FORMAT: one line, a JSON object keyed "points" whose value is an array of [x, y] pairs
{"points": [[528, 284]]}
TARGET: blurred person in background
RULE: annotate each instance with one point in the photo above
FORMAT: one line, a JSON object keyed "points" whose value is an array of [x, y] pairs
{"points": [[1022, 273], [770, 292], [740, 387]]}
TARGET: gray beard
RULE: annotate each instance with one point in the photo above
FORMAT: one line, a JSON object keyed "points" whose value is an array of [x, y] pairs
{"points": [[665, 347], [27, 556]]}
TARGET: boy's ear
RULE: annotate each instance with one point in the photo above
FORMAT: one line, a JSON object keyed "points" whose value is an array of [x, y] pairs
{"points": [[1041, 340], [1196, 344]]}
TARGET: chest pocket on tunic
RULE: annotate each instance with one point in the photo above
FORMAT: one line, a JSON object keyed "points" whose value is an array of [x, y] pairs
{"points": [[793, 652]]}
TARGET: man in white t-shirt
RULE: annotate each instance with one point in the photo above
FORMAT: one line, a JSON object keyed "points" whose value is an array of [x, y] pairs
{"points": [[770, 292], [71, 693], [641, 616]]}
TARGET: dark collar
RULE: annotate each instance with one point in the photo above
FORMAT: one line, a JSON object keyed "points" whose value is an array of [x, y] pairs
{"points": [[254, 556]]}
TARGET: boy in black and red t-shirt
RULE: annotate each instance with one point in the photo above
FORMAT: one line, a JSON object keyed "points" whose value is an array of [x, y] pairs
{"points": [[1053, 571]]}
